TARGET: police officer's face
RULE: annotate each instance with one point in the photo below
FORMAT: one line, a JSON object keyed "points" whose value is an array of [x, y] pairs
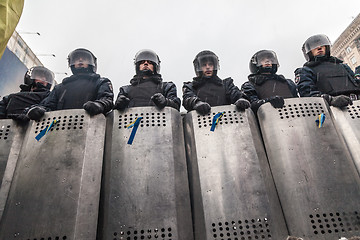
{"points": [[266, 62], [146, 65], [81, 62], [319, 51], [207, 68]]}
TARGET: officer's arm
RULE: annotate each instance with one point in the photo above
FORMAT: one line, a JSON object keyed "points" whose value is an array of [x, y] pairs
{"points": [[105, 95], [233, 93], [306, 82], [189, 96], [170, 93], [250, 91], [351, 73], [292, 87], [3, 106], [50, 103]]}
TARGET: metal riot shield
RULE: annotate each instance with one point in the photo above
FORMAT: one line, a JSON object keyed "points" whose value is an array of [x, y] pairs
{"points": [[145, 188], [11, 139], [56, 185], [317, 183], [233, 194], [347, 121]]}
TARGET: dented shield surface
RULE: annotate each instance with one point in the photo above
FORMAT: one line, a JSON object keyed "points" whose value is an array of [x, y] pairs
{"points": [[145, 187], [317, 182], [11, 138], [347, 121], [56, 185], [233, 194]]}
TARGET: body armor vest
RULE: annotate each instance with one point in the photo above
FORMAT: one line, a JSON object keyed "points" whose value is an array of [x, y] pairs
{"points": [[21, 100], [74, 94], [333, 79], [212, 93], [271, 88], [140, 94]]}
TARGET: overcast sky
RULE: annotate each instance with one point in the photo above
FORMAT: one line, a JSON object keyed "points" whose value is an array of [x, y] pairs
{"points": [[114, 30]]}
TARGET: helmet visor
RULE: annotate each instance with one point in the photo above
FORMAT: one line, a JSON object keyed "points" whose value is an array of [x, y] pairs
{"points": [[147, 55], [82, 56], [205, 60], [42, 74], [315, 42], [266, 57]]}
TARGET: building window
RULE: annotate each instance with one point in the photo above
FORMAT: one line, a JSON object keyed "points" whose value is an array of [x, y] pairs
{"points": [[353, 60], [348, 49]]}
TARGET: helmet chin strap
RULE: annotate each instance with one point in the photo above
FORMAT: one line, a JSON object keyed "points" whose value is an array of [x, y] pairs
{"points": [[272, 69], [76, 71]]}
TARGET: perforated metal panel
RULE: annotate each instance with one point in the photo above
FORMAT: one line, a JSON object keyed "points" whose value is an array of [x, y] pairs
{"points": [[347, 121], [66, 122], [233, 195], [242, 229], [314, 174], [6, 141], [146, 193], [55, 190], [11, 138], [300, 110]]}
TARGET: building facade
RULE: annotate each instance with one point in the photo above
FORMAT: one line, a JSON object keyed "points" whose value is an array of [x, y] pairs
{"points": [[347, 45], [16, 60]]}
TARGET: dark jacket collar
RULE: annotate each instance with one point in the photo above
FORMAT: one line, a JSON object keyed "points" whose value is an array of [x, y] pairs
{"points": [[199, 81], [89, 76], [139, 79], [319, 60], [259, 79]]}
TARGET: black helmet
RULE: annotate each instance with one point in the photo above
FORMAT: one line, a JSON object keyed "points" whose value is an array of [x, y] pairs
{"points": [[204, 57], [258, 59], [39, 73], [149, 55], [315, 42], [84, 54]]}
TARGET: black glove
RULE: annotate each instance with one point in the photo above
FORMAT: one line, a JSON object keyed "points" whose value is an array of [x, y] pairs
{"points": [[93, 108], [242, 104], [121, 102], [159, 100], [202, 107], [19, 117], [35, 113], [276, 101], [340, 101]]}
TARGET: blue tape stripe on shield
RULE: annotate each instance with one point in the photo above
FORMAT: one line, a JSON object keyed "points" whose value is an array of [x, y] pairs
{"points": [[135, 126], [215, 120], [320, 120], [45, 130]]}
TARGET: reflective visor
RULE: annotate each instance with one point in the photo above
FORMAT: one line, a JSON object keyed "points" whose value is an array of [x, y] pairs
{"points": [[82, 56], [207, 59], [316, 41], [266, 56], [42, 74], [147, 55]]}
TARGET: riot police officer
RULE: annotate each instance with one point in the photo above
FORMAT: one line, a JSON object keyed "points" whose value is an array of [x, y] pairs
{"points": [[207, 89], [37, 84], [325, 75], [146, 87], [264, 84], [84, 89]]}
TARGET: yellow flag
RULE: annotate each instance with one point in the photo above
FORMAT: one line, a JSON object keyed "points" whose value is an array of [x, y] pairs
{"points": [[10, 12]]}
